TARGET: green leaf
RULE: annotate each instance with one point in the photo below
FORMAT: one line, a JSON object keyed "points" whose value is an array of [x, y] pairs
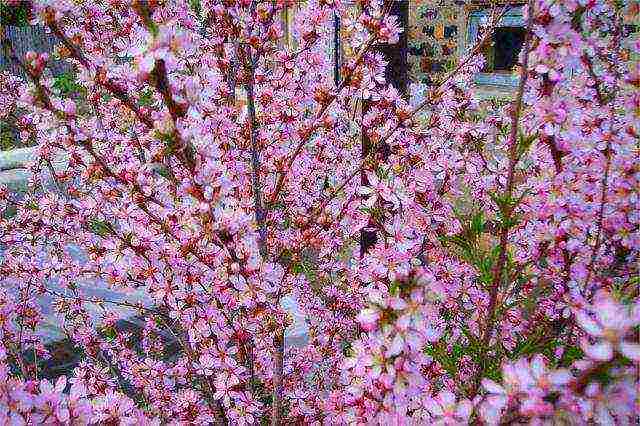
{"points": [[14, 15], [109, 333], [100, 228], [195, 6], [9, 212], [146, 98], [525, 142], [66, 84], [478, 223], [394, 288], [571, 354], [164, 172]]}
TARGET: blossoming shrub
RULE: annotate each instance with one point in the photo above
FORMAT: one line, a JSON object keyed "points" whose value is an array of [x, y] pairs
{"points": [[496, 281]]}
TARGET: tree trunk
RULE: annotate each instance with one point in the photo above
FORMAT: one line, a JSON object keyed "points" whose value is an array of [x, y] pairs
{"points": [[396, 75]]}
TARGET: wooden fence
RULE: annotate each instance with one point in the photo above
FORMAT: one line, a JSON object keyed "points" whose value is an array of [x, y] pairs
{"points": [[31, 38], [23, 40]]}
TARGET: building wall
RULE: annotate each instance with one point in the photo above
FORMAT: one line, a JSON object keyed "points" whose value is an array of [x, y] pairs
{"points": [[436, 38]]}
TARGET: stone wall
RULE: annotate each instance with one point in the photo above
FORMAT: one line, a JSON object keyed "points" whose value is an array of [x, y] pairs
{"points": [[436, 38]]}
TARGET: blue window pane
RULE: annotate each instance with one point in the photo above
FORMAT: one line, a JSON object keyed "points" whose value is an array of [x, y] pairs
{"points": [[508, 38]]}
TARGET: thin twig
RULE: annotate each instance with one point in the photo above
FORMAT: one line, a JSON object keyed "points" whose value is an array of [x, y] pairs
{"points": [[504, 234], [436, 94], [605, 178], [255, 155]]}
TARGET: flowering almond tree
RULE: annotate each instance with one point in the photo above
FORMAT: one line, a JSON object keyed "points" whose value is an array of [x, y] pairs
{"points": [[219, 170]]}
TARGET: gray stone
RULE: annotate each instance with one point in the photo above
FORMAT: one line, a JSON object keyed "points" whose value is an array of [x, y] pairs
{"points": [[15, 175], [16, 158], [15, 179]]}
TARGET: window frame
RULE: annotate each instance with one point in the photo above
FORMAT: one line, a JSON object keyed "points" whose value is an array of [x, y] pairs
{"points": [[512, 18]]}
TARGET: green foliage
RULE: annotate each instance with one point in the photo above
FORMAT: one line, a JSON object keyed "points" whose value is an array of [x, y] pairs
{"points": [[571, 354], [286, 222], [506, 205], [195, 6], [146, 98], [394, 288], [467, 245], [100, 227], [164, 172], [109, 333], [525, 142], [347, 349], [66, 84], [626, 291], [170, 145], [447, 360], [532, 344], [450, 65], [15, 15], [9, 211], [304, 267], [449, 355]]}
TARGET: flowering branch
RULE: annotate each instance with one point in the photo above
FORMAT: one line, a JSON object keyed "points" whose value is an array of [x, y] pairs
{"points": [[507, 209]]}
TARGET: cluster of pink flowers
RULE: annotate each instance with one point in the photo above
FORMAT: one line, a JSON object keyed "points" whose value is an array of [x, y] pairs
{"points": [[458, 261], [532, 390], [34, 402]]}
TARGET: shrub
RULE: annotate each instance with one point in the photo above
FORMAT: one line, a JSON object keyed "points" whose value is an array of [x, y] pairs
{"points": [[472, 265]]}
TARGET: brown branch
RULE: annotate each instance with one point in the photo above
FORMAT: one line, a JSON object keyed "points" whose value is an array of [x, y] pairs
{"points": [[504, 234], [276, 407], [255, 154], [313, 216], [101, 76], [605, 178], [260, 214]]}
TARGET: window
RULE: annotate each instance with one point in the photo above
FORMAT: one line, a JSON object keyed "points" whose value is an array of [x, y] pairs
{"points": [[507, 43], [502, 55]]}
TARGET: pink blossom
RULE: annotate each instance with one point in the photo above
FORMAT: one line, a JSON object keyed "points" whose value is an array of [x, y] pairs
{"points": [[612, 323]]}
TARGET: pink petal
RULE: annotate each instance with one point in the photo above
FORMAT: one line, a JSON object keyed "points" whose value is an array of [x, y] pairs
{"points": [[431, 334], [369, 202], [146, 64], [396, 346], [490, 414], [373, 179], [367, 317], [365, 190], [498, 401], [377, 297], [397, 303], [492, 386], [447, 398], [46, 386], [600, 351], [542, 69], [603, 417], [538, 366], [630, 350], [464, 409], [433, 407], [413, 341], [62, 414], [589, 325], [560, 377], [61, 384], [350, 363]]}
